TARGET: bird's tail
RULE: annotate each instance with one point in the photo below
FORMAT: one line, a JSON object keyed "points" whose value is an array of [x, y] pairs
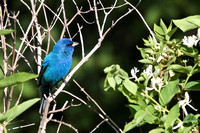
{"points": [[43, 100]]}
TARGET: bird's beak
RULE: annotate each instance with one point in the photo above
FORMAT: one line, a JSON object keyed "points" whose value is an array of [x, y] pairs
{"points": [[75, 44]]}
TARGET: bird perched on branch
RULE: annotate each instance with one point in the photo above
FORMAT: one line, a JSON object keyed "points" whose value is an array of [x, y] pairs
{"points": [[54, 68]]}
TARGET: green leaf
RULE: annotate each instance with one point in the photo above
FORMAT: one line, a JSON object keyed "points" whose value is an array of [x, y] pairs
{"points": [[127, 94], [192, 52], [16, 78], [143, 53], [139, 116], [179, 68], [19, 109], [189, 122], [158, 30], [190, 119], [157, 130], [185, 129], [133, 109], [118, 79], [122, 73], [112, 68], [6, 31], [2, 118], [130, 86], [188, 23], [111, 80], [145, 61], [193, 86], [168, 92], [172, 116], [170, 27], [170, 33], [151, 115], [163, 26]]}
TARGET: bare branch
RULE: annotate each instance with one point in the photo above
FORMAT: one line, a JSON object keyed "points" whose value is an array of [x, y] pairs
{"points": [[151, 32], [81, 39], [27, 31], [97, 126], [66, 124]]}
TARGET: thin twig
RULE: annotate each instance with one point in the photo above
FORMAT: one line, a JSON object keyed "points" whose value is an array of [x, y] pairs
{"points": [[66, 124], [97, 126], [151, 32], [81, 39], [23, 126], [27, 31], [20, 95], [59, 125]]}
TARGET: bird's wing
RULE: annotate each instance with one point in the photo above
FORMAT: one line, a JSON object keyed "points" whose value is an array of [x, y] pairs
{"points": [[45, 65], [43, 69]]}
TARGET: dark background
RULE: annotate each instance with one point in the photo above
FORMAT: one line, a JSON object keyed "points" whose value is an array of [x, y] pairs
{"points": [[119, 47]]}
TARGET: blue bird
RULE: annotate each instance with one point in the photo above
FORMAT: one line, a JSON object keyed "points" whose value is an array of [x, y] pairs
{"points": [[54, 68]]}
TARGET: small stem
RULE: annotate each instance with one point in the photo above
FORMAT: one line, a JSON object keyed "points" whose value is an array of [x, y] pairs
{"points": [[189, 75], [165, 109]]}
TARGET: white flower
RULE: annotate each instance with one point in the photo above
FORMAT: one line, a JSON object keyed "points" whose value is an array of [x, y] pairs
{"points": [[152, 58], [186, 101], [159, 59], [149, 89], [171, 73], [164, 54], [180, 124], [191, 41], [149, 71], [158, 107], [134, 71], [198, 34], [156, 83]]}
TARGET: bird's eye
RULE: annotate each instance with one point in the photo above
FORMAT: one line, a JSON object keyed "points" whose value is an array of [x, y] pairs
{"points": [[68, 45]]}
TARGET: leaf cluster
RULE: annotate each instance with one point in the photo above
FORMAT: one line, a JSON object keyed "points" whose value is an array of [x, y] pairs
{"points": [[156, 96]]}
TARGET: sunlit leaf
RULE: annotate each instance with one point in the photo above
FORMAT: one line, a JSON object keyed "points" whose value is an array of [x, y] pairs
{"points": [[158, 30], [130, 86], [179, 68], [6, 31], [145, 61], [111, 80], [151, 115], [143, 53], [168, 92], [2, 118], [16, 78], [172, 116], [118, 79], [139, 116], [170, 33], [19, 109], [188, 23], [111, 68], [157, 130], [163, 26]]}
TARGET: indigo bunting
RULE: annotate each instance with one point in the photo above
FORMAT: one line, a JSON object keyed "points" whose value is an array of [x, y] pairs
{"points": [[54, 68]]}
